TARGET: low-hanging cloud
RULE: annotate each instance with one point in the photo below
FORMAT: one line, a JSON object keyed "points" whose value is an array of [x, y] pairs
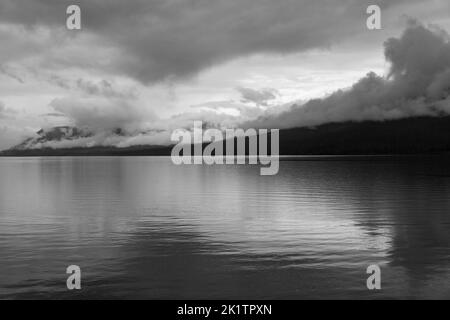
{"points": [[418, 84], [101, 123], [103, 114], [10, 134]]}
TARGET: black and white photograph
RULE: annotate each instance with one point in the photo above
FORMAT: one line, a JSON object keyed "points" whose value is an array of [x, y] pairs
{"points": [[224, 155]]}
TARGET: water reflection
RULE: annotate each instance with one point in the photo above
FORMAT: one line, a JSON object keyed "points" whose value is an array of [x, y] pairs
{"points": [[144, 228]]}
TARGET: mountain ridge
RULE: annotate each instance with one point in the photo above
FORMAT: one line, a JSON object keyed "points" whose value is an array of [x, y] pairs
{"points": [[420, 135]]}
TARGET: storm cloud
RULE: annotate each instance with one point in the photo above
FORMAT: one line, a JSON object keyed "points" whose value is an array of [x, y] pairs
{"points": [[418, 84], [156, 40]]}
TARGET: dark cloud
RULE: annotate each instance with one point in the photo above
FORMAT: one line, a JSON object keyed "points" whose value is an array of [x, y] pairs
{"points": [[104, 88], [418, 84], [172, 39], [10, 73], [54, 114], [259, 97]]}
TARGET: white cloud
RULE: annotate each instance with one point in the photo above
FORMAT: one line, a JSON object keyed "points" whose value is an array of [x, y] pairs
{"points": [[418, 85]]}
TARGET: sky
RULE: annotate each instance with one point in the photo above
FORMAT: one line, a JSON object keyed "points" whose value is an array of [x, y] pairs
{"points": [[151, 66]]}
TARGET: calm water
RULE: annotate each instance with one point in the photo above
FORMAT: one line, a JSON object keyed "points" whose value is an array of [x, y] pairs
{"points": [[144, 228]]}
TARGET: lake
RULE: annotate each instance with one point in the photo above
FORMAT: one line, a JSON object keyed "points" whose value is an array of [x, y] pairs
{"points": [[141, 227]]}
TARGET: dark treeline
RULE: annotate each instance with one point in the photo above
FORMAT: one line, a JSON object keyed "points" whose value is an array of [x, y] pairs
{"points": [[425, 135]]}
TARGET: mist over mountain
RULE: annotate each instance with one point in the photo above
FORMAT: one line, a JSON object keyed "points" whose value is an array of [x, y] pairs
{"points": [[417, 86], [420, 135], [43, 136]]}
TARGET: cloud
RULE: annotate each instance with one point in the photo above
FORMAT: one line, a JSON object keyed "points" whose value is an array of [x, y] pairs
{"points": [[133, 131], [10, 73], [110, 122], [99, 113], [259, 97], [418, 84], [105, 139], [10, 134], [6, 113], [173, 39], [153, 41], [102, 87]]}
